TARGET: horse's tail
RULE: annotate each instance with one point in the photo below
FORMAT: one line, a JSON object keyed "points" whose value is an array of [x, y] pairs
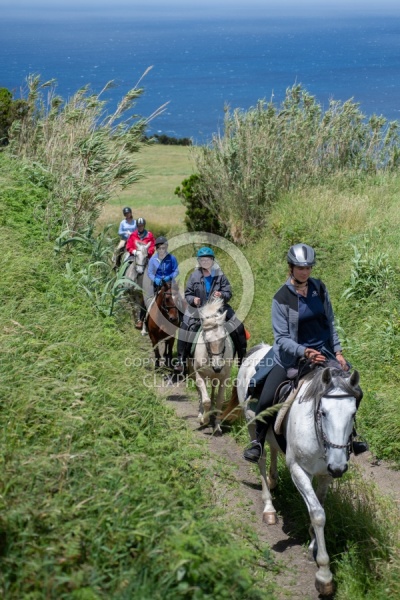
{"points": [[232, 410]]}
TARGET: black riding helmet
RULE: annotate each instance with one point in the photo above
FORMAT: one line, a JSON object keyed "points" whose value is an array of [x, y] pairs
{"points": [[161, 240], [127, 210]]}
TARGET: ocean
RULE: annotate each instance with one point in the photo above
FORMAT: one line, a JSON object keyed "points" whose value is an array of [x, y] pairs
{"points": [[203, 61]]}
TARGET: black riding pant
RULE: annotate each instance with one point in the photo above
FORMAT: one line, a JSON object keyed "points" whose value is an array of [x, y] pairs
{"points": [[275, 377]]}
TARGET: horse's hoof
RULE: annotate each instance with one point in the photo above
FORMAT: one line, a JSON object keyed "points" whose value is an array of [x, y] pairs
{"points": [[325, 588], [270, 518], [144, 332], [217, 432]]}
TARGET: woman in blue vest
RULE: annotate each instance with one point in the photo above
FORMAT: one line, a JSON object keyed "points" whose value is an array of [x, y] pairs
{"points": [[303, 326], [163, 267]]}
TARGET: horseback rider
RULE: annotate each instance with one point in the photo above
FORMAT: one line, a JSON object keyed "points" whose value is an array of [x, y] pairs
{"points": [[163, 266], [206, 282], [303, 326], [126, 227], [142, 235]]}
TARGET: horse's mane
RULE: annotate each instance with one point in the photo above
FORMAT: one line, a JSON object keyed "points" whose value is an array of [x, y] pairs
{"points": [[340, 379], [255, 349], [212, 309]]}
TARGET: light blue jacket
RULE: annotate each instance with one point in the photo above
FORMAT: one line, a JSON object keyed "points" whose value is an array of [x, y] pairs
{"points": [[125, 228]]}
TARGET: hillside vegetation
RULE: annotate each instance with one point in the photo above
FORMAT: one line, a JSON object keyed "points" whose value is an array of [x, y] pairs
{"points": [[96, 497], [104, 492]]}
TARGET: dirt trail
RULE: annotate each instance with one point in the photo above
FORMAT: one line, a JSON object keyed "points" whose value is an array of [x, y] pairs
{"points": [[296, 579]]}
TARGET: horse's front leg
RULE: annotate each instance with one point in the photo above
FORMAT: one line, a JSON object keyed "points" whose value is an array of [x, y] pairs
{"points": [[205, 401], [323, 483], [156, 349], [168, 352], [218, 384], [323, 577], [267, 482]]}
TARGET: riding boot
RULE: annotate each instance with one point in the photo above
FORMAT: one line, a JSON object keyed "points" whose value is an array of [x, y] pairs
{"points": [[238, 337], [256, 448], [358, 446], [181, 356]]}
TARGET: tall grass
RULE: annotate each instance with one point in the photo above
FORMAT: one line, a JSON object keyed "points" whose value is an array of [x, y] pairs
{"points": [[81, 154], [104, 492], [267, 150]]}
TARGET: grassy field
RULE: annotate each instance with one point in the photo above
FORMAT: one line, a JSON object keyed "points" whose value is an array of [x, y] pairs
{"points": [[164, 168]]}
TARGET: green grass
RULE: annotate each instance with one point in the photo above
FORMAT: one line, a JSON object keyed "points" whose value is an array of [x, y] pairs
{"points": [[104, 492], [164, 168]]}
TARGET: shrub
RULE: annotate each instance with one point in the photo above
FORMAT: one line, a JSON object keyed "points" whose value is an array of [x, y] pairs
{"points": [[268, 150], [371, 274], [198, 216], [80, 154]]}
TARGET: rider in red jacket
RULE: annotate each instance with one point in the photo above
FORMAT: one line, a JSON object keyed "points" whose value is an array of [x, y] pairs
{"points": [[141, 235]]}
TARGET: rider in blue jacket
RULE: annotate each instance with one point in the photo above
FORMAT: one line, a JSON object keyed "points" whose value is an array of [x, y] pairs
{"points": [[162, 265]]}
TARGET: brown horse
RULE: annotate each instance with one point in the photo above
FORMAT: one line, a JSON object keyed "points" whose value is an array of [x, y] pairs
{"points": [[163, 321]]}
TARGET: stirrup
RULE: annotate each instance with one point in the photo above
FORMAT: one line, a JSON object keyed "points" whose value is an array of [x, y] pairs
{"points": [[254, 452], [179, 367]]}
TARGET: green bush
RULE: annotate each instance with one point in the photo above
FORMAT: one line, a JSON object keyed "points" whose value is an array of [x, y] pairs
{"points": [[198, 217], [268, 150], [76, 151]]}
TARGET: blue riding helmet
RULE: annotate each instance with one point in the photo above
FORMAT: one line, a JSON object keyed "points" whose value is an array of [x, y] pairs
{"points": [[205, 251]]}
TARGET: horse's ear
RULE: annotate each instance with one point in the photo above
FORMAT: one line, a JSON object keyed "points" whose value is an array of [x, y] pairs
{"points": [[222, 318], [148, 245], [326, 376], [355, 378]]}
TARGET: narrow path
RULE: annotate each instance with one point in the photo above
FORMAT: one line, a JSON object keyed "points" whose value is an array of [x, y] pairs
{"points": [[295, 580]]}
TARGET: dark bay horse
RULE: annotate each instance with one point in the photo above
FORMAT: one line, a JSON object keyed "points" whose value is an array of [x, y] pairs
{"points": [[163, 321]]}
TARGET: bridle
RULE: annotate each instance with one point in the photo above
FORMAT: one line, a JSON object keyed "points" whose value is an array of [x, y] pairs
{"points": [[164, 307], [321, 433], [140, 268], [210, 353]]}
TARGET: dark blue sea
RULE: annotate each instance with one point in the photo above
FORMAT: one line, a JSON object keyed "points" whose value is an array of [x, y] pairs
{"points": [[205, 58]]}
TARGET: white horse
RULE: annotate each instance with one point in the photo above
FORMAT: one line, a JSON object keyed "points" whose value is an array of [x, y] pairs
{"points": [[211, 363], [317, 428], [137, 273]]}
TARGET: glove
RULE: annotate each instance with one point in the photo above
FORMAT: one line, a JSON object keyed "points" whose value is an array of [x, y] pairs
{"points": [[157, 280], [133, 253], [167, 278]]}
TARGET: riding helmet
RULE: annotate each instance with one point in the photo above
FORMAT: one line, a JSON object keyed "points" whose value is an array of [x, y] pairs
{"points": [[301, 255], [126, 210], [205, 251], [161, 240], [141, 221]]}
